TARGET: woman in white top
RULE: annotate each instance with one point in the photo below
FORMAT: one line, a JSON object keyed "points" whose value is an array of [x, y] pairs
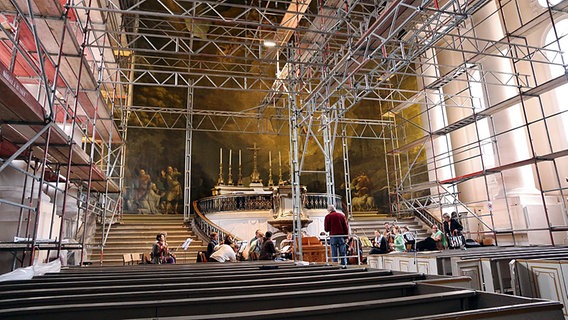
{"points": [[224, 252]]}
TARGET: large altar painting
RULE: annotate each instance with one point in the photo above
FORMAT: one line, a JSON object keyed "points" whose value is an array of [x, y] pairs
{"points": [[153, 178]]}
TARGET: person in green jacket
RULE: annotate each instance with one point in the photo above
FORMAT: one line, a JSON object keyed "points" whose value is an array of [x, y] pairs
{"points": [[398, 240]]}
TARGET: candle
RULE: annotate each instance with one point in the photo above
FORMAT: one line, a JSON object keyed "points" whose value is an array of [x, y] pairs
{"points": [[221, 155], [239, 157], [279, 159], [230, 155], [270, 158]]}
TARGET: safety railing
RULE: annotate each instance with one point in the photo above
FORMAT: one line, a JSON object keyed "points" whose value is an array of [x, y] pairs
{"points": [[352, 249]]}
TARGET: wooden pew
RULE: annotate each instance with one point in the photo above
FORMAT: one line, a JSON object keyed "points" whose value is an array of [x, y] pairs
{"points": [[541, 278], [236, 289], [494, 268], [370, 310], [388, 289], [237, 303], [18, 290], [360, 301], [195, 277]]}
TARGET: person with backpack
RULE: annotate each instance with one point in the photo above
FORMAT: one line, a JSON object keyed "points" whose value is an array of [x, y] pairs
{"points": [[408, 237]]}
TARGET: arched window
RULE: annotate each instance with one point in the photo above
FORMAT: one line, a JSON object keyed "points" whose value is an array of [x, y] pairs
{"points": [[554, 45]]}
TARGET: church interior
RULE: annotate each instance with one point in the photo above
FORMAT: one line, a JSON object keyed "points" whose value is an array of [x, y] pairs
{"points": [[121, 120]]}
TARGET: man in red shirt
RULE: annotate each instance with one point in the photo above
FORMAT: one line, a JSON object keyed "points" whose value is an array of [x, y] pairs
{"points": [[336, 224]]}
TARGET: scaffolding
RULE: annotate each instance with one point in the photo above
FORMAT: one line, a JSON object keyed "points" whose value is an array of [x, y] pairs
{"points": [[61, 145], [487, 139]]}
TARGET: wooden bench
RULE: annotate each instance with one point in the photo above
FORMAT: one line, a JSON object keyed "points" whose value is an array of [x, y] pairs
{"points": [[370, 310], [360, 301], [241, 289], [180, 306]]}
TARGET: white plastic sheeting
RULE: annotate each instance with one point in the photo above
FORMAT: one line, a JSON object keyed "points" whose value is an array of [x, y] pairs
{"points": [[29, 272]]}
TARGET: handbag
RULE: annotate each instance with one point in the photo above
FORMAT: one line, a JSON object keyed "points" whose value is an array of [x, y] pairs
{"points": [[456, 241]]}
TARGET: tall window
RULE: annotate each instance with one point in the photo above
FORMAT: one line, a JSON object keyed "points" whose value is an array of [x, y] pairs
{"points": [[478, 100], [556, 42]]}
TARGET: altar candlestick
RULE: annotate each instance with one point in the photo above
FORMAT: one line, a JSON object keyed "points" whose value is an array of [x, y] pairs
{"points": [[220, 180], [240, 177], [230, 178], [280, 168]]}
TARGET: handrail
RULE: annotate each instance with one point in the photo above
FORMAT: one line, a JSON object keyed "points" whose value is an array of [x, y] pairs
{"points": [[421, 212], [206, 226], [458, 201], [418, 211], [327, 244], [114, 212]]}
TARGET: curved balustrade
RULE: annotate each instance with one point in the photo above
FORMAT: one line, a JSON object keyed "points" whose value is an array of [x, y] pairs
{"points": [[242, 202], [207, 226]]}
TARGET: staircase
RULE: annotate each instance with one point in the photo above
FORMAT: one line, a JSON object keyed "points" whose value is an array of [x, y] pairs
{"points": [[137, 233], [365, 225]]}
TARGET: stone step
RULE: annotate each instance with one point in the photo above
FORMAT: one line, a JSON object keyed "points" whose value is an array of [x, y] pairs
{"points": [[148, 244], [373, 225], [118, 252], [137, 233], [148, 226], [151, 219], [172, 237], [129, 216], [118, 261], [366, 227], [147, 232], [147, 235]]}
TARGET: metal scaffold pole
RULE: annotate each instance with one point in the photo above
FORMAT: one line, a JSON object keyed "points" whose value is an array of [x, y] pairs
{"points": [[188, 155]]}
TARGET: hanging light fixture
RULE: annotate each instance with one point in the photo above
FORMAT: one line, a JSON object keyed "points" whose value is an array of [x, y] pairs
{"points": [[269, 43]]}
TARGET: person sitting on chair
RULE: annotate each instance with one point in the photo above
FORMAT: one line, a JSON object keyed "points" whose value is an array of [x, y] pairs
{"points": [[398, 244], [436, 241], [287, 246], [452, 228], [160, 251], [408, 237], [212, 244], [255, 245], [380, 245], [224, 252], [268, 250]]}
